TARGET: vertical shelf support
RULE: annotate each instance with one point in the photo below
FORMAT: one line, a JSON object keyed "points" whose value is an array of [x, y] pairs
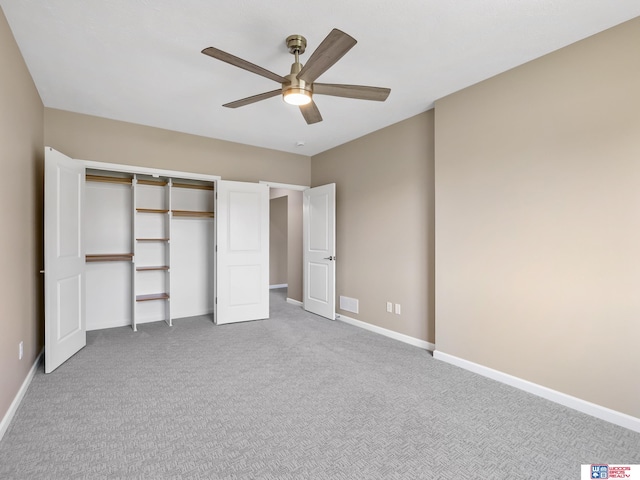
{"points": [[134, 249], [167, 277]]}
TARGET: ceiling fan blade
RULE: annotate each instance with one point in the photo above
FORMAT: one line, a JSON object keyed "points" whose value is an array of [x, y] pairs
{"points": [[253, 99], [332, 49], [311, 113], [360, 92], [240, 63]]}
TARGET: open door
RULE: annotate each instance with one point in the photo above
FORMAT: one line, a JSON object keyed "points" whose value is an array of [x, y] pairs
{"points": [[242, 262], [64, 263], [319, 237]]}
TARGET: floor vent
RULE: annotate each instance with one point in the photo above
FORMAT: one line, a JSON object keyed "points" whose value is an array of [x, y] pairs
{"points": [[349, 304]]}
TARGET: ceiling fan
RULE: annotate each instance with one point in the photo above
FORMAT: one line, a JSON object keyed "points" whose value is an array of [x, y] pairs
{"points": [[299, 86]]}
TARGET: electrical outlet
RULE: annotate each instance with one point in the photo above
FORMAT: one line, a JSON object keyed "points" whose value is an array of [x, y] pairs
{"points": [[20, 350], [398, 309], [389, 307]]}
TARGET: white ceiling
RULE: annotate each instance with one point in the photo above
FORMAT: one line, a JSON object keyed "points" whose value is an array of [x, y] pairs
{"points": [[139, 60]]}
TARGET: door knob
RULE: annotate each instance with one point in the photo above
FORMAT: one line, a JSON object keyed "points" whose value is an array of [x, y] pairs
{"points": [[330, 258]]}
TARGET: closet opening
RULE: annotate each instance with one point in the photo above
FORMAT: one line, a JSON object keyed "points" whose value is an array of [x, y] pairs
{"points": [[128, 245], [150, 248]]}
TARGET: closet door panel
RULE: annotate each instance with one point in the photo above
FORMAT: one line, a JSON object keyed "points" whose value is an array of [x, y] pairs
{"points": [[65, 330], [243, 252]]}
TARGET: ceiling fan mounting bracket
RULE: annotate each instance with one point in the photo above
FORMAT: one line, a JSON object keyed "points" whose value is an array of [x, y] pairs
{"points": [[296, 43]]}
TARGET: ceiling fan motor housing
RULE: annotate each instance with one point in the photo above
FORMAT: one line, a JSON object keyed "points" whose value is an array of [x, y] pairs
{"points": [[294, 84]]}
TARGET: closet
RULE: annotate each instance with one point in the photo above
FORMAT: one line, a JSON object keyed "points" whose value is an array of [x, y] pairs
{"points": [[148, 240], [129, 245]]}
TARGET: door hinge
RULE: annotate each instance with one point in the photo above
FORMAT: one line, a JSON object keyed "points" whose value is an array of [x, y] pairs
{"points": [[216, 300]]}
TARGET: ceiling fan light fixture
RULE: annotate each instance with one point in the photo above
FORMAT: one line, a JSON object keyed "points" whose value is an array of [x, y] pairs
{"points": [[297, 96]]}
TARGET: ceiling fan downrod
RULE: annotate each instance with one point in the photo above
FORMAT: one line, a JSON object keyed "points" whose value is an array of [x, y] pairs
{"points": [[294, 90]]}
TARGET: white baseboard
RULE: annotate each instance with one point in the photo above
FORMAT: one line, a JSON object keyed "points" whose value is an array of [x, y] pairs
{"points": [[281, 285], [294, 302], [598, 411], [387, 333], [13, 408]]}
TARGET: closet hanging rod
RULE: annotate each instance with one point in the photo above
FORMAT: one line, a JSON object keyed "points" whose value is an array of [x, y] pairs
{"points": [[191, 213], [155, 183], [107, 179], [109, 257], [149, 269], [151, 210], [192, 185]]}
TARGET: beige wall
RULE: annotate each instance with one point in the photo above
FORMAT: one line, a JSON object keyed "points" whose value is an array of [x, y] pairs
{"points": [[294, 240], [538, 221], [384, 209], [21, 159], [103, 140], [294, 245], [278, 241]]}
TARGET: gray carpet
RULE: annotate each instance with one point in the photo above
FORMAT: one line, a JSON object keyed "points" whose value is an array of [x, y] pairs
{"points": [[293, 397]]}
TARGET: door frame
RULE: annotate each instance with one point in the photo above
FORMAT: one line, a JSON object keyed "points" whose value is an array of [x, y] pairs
{"points": [[286, 186], [299, 188], [148, 171]]}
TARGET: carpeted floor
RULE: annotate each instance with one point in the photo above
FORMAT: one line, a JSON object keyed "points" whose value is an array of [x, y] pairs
{"points": [[293, 397]]}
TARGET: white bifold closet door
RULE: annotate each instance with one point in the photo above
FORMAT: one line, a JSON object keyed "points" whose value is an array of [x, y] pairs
{"points": [[242, 262], [64, 258]]}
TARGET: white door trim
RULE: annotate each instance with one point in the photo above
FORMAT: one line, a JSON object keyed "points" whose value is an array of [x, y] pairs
{"points": [[148, 171], [286, 186]]}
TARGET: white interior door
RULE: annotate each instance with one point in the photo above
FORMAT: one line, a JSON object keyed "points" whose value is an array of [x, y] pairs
{"points": [[319, 237], [242, 263], [64, 263]]}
